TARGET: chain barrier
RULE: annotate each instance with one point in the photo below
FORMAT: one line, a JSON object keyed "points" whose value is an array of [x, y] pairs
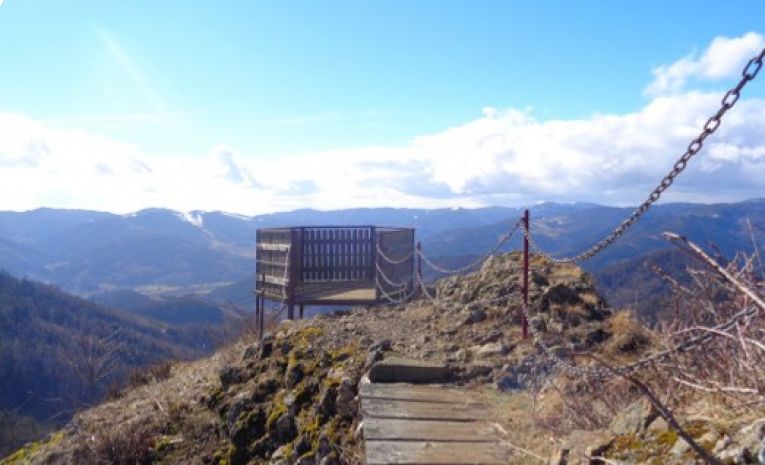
{"points": [[449, 306], [502, 241], [391, 260], [730, 98], [387, 280], [401, 290]]}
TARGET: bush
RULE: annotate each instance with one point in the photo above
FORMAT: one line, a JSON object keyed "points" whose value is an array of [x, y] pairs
{"points": [[132, 445]]}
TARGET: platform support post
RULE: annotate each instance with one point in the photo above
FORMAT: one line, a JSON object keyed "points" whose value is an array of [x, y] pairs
{"points": [[301, 311], [524, 322], [261, 298], [419, 262]]}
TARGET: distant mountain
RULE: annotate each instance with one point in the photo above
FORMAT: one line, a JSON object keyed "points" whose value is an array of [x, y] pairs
{"points": [[567, 233], [59, 352], [161, 252], [183, 310]]}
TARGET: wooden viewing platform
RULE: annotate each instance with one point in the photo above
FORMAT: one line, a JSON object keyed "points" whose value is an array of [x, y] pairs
{"points": [[333, 265], [406, 424]]}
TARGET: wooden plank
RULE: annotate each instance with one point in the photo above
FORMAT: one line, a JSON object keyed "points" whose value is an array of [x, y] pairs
{"points": [[277, 247], [388, 429], [434, 453], [422, 393], [383, 408]]}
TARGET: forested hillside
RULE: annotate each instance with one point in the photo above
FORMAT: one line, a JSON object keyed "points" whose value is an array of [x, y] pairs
{"points": [[59, 353]]}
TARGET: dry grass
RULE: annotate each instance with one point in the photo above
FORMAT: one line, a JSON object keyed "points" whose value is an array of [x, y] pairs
{"points": [[126, 445], [518, 414], [629, 338]]}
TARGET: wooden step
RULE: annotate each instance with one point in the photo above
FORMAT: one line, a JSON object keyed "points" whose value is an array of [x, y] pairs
{"points": [[389, 429], [435, 453], [421, 393], [383, 408]]}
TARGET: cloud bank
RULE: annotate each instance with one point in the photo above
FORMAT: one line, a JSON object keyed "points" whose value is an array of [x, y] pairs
{"points": [[505, 156]]}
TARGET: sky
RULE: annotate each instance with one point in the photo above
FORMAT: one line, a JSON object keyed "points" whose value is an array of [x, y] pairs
{"points": [[262, 106]]}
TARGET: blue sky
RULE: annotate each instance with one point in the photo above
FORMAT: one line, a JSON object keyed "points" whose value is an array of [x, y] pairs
{"points": [[259, 82]]}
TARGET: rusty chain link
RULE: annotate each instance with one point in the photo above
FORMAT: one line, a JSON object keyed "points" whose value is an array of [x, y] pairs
{"points": [[504, 238], [730, 98]]}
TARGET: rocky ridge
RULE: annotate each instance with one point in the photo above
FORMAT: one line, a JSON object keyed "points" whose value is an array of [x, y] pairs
{"points": [[292, 397]]}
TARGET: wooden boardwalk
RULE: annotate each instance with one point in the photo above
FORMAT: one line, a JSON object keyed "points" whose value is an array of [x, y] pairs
{"points": [[408, 424]]}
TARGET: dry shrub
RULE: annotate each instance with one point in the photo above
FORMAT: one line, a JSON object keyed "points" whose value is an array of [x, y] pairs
{"points": [[129, 445], [727, 364], [721, 361], [141, 377], [629, 338]]}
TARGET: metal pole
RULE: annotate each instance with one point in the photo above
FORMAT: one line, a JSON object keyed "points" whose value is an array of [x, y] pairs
{"points": [[301, 311], [257, 304], [373, 261], [524, 323], [261, 322]]}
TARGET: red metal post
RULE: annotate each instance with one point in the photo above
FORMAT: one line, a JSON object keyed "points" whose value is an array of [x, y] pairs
{"points": [[524, 322]]}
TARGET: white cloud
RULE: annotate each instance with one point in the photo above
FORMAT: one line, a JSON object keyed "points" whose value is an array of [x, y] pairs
{"points": [[724, 58], [505, 156]]}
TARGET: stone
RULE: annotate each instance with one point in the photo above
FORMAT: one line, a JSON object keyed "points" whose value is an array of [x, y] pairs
{"points": [[581, 444], [735, 456], [403, 370], [492, 349], [238, 405], [248, 426], [479, 369], [346, 405], [596, 337], [509, 383], [230, 375], [251, 351], [679, 448], [721, 444], [302, 445], [280, 455], [306, 460], [329, 460], [634, 419], [463, 355], [294, 375], [286, 347], [537, 324], [285, 429], [475, 316], [382, 344], [374, 356], [324, 447], [326, 405], [493, 336], [264, 389]]}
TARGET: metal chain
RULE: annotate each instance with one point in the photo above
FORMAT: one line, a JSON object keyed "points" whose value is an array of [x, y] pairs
{"points": [[502, 241], [730, 98], [449, 306], [401, 290], [392, 261], [387, 280]]}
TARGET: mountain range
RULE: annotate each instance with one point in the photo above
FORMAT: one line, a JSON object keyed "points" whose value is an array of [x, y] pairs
{"points": [[159, 252]]}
